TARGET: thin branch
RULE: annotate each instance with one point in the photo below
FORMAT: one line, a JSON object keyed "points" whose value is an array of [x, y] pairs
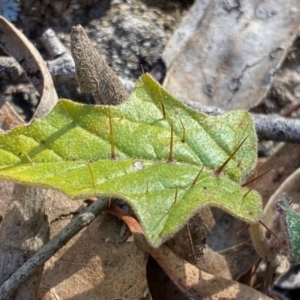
{"points": [[52, 44], [276, 128], [49, 249]]}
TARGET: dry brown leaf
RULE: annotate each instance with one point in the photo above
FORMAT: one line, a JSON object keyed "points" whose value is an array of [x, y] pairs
{"points": [[193, 282], [98, 263], [23, 231], [198, 284], [160, 285], [17, 45], [231, 240], [225, 53], [216, 243]]}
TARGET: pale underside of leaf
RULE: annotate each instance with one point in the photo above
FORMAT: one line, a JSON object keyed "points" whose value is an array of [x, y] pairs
{"points": [[71, 150]]}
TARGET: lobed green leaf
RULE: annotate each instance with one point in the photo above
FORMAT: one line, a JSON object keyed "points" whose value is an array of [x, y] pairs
{"points": [[165, 180]]}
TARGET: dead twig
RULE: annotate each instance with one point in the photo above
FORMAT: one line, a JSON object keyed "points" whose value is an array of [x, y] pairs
{"points": [[277, 128]]}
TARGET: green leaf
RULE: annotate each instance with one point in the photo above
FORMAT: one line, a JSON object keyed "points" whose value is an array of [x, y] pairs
{"points": [[71, 150], [292, 226]]}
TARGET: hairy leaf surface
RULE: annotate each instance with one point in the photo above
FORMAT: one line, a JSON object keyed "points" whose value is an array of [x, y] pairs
{"points": [[152, 151], [291, 222]]}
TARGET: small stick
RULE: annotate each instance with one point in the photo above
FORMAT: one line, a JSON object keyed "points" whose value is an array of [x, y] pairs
{"points": [[52, 44]]}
